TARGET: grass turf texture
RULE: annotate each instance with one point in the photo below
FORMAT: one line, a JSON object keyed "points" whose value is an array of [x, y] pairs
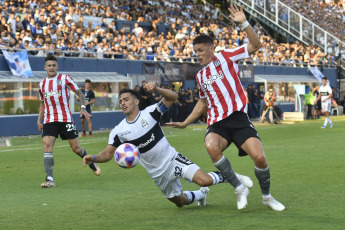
{"points": [[307, 176]]}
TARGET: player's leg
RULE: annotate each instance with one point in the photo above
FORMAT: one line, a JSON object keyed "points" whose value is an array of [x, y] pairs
{"points": [[82, 121], [89, 124], [212, 178], [215, 144], [48, 159], [49, 135], [253, 147], [69, 132], [74, 143], [326, 108], [189, 197]]}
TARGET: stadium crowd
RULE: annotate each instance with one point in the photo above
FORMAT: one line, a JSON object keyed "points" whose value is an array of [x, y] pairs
{"points": [[328, 14], [58, 27]]}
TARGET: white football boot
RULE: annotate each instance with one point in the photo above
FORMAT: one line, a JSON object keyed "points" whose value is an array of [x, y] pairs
{"points": [[202, 202], [242, 197], [245, 180], [272, 203]]}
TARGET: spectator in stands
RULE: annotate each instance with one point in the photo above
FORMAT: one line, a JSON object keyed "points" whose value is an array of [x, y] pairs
{"points": [[261, 99], [144, 96], [255, 101], [137, 30], [150, 55]]}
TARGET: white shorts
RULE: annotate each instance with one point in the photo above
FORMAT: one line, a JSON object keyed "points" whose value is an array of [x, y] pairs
{"points": [[169, 182], [326, 106]]}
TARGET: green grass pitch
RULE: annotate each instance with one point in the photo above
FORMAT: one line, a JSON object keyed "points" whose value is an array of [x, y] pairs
{"points": [[307, 175]]}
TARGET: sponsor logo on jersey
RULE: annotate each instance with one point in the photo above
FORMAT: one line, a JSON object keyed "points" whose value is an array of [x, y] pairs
{"points": [[142, 145], [52, 93], [59, 82], [124, 133], [144, 123], [210, 79]]}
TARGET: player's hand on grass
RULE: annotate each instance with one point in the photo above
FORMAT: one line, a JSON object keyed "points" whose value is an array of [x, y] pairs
{"points": [[237, 14], [88, 159], [179, 125], [150, 87]]}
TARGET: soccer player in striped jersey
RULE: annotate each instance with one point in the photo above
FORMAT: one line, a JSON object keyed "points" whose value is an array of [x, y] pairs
{"points": [[54, 108], [163, 163], [222, 94]]}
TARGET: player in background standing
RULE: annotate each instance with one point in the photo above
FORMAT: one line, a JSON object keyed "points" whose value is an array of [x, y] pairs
{"points": [[163, 163], [325, 94], [270, 97], [89, 100], [222, 93], [54, 107]]}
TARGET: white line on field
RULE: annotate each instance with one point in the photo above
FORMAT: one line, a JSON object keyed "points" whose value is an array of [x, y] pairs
{"points": [[58, 146]]}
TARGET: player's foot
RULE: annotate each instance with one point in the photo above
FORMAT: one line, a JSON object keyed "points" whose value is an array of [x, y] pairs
{"points": [[95, 169], [272, 203], [48, 184], [204, 190], [245, 180], [83, 134], [323, 127], [331, 125], [90, 135], [242, 198]]}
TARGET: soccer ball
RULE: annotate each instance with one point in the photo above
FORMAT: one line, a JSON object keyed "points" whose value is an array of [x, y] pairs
{"points": [[127, 155]]}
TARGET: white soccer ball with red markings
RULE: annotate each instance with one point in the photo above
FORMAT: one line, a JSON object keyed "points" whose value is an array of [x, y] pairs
{"points": [[127, 155]]}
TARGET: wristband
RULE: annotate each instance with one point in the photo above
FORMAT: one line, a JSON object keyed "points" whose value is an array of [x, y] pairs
{"points": [[245, 24], [94, 158], [83, 106]]}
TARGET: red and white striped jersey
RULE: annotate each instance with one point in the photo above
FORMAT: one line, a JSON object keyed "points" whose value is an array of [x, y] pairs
{"points": [[54, 92], [220, 84]]}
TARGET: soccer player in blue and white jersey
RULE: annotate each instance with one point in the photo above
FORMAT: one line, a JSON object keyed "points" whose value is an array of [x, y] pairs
{"points": [[164, 164], [325, 94]]}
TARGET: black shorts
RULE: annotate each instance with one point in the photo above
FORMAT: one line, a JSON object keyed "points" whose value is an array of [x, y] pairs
{"points": [[87, 110], [67, 130], [236, 129]]}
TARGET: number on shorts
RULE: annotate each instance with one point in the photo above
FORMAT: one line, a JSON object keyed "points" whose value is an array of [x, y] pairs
{"points": [[70, 127]]}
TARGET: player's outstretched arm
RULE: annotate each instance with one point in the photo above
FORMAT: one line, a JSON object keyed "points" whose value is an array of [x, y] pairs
{"points": [[238, 16], [169, 97], [198, 110], [102, 157]]}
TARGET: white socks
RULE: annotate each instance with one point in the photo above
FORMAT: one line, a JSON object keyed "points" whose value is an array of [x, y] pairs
{"points": [[327, 120]]}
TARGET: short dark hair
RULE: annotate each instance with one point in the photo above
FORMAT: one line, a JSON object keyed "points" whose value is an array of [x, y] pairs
{"points": [[131, 91], [87, 81], [50, 57], [203, 38], [325, 78]]}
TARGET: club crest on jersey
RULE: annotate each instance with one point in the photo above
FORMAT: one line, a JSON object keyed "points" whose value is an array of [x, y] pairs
{"points": [[216, 63], [59, 82], [144, 123], [212, 78]]}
